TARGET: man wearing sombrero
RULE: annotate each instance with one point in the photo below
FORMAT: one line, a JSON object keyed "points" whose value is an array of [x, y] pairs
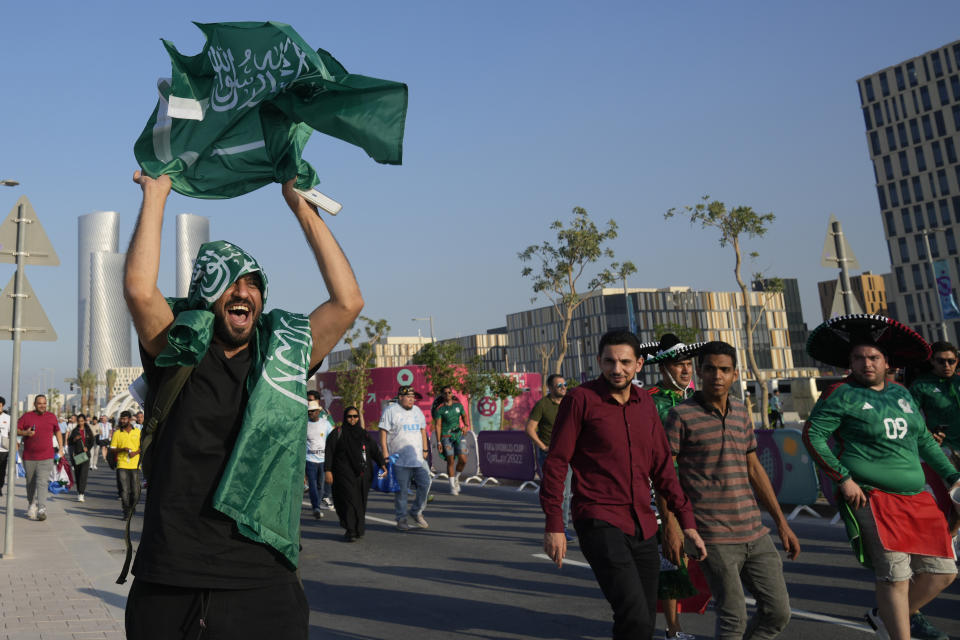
{"points": [[221, 530], [894, 525], [674, 360]]}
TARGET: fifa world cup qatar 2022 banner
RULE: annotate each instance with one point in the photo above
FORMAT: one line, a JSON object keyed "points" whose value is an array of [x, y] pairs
{"points": [[485, 411]]}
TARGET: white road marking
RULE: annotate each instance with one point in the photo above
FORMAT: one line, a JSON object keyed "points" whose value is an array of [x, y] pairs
{"points": [[796, 613]]}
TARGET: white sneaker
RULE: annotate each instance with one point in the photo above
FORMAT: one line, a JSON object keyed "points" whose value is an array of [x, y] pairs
{"points": [[454, 489], [317, 514], [32, 512], [457, 481], [679, 635], [419, 521], [327, 504], [80, 497], [873, 619], [42, 514]]}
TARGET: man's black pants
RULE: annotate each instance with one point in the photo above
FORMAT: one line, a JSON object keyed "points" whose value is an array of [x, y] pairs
{"points": [[127, 481], [627, 569], [162, 612]]}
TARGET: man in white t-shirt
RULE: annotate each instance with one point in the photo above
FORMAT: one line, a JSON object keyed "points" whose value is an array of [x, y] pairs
{"points": [[4, 442], [319, 426], [403, 432]]}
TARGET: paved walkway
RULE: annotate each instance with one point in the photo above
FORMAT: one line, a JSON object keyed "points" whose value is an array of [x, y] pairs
{"points": [[59, 582]]}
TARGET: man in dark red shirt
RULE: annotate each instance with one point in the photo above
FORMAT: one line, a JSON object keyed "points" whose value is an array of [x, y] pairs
{"points": [[38, 429], [610, 434]]}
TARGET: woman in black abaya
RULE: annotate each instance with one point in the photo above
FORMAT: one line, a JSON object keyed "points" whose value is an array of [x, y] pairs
{"points": [[349, 452]]}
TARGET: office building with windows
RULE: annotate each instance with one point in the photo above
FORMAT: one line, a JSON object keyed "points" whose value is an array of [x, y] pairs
{"points": [[911, 111], [868, 290]]}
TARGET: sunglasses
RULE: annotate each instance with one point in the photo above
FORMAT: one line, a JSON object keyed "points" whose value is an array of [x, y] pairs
{"points": [[946, 360], [353, 416], [562, 385]]}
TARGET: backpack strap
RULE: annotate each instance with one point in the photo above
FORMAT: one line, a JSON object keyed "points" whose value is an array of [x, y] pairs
{"points": [[170, 386]]}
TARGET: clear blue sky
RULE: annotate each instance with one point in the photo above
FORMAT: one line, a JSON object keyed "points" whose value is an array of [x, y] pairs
{"points": [[518, 112]]}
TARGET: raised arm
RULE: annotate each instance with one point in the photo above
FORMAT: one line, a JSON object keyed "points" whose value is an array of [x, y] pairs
{"points": [[148, 308], [330, 320]]}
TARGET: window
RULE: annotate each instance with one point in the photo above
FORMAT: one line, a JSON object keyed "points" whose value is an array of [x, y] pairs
{"points": [[917, 189], [951, 241], [951, 150], [944, 212], [935, 61], [925, 98], [902, 134], [956, 211], [905, 192], [904, 253], [884, 87], [933, 185], [888, 167], [918, 218], [901, 280], [868, 89], [904, 163], [956, 54], [907, 222], [915, 128], [931, 215], [938, 120], [916, 105], [866, 118], [886, 109], [921, 160], [875, 143], [891, 141], [877, 114], [917, 276], [911, 312], [927, 129], [956, 117], [891, 226], [882, 197], [942, 179], [898, 74], [934, 248], [937, 154], [942, 90], [892, 192]]}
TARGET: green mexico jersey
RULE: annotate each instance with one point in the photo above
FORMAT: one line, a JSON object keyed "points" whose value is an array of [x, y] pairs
{"points": [[449, 415], [939, 400], [664, 400], [880, 438]]}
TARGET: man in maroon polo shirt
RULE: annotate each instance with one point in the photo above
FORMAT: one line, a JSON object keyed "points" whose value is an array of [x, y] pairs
{"points": [[610, 435], [38, 429]]}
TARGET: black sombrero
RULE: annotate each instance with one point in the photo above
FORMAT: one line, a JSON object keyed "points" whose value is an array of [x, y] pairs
{"points": [[670, 349], [648, 349], [831, 342]]}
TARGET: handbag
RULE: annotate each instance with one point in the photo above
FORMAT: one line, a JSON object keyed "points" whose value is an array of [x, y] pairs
{"points": [[80, 458]]}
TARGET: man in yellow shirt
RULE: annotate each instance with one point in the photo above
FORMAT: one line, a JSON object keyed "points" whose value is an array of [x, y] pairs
{"points": [[126, 445]]}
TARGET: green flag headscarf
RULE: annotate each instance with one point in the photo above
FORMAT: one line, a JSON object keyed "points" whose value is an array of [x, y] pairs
{"points": [[262, 485]]}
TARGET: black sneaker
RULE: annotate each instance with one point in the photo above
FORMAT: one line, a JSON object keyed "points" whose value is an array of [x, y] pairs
{"points": [[921, 629]]}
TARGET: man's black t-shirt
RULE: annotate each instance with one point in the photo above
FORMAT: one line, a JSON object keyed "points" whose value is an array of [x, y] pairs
{"points": [[185, 541]]}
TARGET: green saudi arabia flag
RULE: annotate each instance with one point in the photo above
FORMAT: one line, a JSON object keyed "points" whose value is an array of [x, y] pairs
{"points": [[237, 116]]}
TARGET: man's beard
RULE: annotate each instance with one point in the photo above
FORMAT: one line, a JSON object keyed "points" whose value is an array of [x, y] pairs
{"points": [[229, 339], [615, 387]]}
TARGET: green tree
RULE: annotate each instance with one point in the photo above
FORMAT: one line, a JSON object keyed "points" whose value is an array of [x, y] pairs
{"points": [[86, 384], [353, 376], [503, 387], [686, 334], [556, 270], [443, 365], [733, 224], [111, 380]]}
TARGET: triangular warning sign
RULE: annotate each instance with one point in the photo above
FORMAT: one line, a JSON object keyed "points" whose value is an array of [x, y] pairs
{"points": [[33, 321], [36, 244], [829, 256]]}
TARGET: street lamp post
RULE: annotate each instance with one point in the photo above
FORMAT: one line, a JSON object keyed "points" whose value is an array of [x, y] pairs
{"points": [[430, 318]]}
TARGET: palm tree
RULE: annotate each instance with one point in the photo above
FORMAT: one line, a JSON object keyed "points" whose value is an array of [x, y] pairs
{"points": [[111, 379]]}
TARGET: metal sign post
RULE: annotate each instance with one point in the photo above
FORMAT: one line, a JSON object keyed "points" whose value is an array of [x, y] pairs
{"points": [[32, 248]]}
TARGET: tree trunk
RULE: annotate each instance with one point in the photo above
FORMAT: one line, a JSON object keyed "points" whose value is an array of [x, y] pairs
{"points": [[562, 353], [751, 359]]}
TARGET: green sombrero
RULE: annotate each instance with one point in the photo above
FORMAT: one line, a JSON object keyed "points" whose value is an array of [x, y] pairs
{"points": [[832, 341], [670, 349]]}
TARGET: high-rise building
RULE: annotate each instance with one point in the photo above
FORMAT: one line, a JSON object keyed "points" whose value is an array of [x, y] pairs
{"points": [[868, 290], [912, 116], [192, 231], [109, 318], [97, 231]]}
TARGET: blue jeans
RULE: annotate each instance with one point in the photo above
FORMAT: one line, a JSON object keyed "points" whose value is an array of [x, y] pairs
{"points": [[315, 482], [423, 480], [567, 493]]}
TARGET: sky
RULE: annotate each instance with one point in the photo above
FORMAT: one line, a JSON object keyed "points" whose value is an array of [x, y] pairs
{"points": [[518, 112]]}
